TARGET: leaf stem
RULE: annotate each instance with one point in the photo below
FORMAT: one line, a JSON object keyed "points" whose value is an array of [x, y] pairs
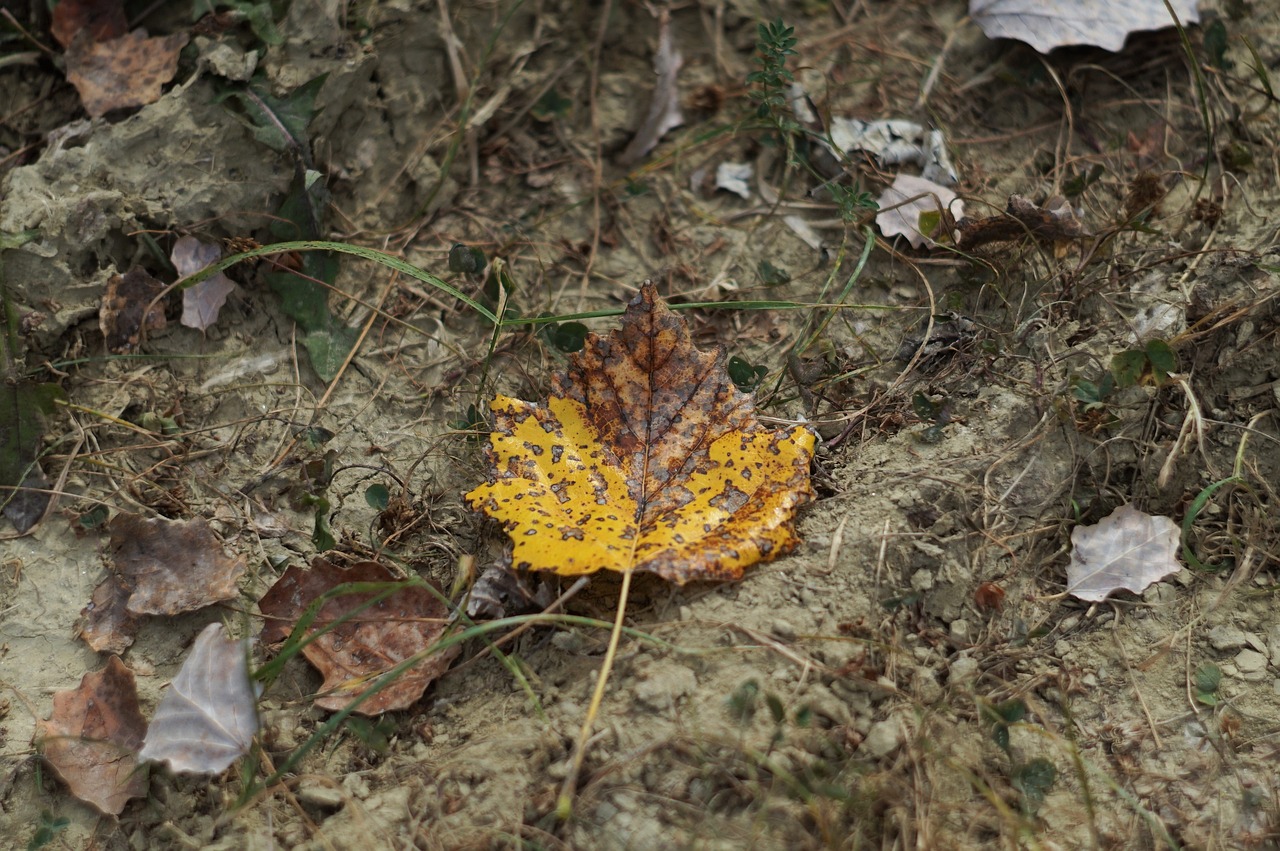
{"points": [[564, 804]]}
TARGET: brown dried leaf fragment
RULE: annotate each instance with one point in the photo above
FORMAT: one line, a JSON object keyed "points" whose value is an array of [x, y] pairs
{"points": [[94, 20], [646, 457], [371, 641], [162, 567], [92, 737], [1054, 223], [123, 72], [121, 315]]}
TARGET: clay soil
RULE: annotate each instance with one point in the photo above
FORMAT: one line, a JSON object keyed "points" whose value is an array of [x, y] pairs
{"points": [[847, 695]]}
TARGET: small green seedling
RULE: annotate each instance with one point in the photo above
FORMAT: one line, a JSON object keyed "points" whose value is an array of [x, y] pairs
{"points": [[566, 337], [1002, 716], [378, 496], [46, 830], [1208, 679], [771, 275], [1148, 365], [1033, 780], [466, 259], [745, 376]]}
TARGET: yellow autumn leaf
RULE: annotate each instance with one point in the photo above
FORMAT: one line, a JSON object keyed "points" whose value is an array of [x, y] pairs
{"points": [[646, 457]]}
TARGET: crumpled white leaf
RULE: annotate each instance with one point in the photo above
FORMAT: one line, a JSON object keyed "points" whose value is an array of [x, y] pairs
{"points": [[1046, 24], [201, 303], [735, 178], [896, 141], [209, 716], [904, 218], [1128, 549]]}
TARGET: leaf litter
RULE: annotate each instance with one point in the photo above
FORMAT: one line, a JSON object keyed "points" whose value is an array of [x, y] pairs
{"points": [[201, 303], [356, 636], [1048, 24], [161, 567]]}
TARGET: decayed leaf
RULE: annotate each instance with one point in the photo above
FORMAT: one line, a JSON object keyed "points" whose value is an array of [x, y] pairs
{"points": [[1046, 24], [1128, 549], [646, 457], [97, 20], [162, 567], [895, 141], [664, 109], [92, 737], [121, 315], [122, 72], [201, 303], [354, 653], [899, 216], [1055, 222], [209, 715]]}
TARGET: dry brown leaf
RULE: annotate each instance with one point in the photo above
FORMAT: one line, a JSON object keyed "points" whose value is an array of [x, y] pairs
{"points": [[1046, 24], [357, 651], [1126, 550], [92, 737], [95, 20], [162, 567], [121, 315], [122, 72], [646, 457]]}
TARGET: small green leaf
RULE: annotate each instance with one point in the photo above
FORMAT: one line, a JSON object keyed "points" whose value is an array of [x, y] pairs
{"points": [[280, 123], [550, 106], [1163, 360], [742, 703], [776, 709], [772, 275], [322, 536], [1034, 780], [566, 336], [746, 376], [92, 519], [378, 497], [929, 222], [925, 408], [466, 259], [1127, 367], [329, 349], [1011, 711], [1208, 678], [1215, 44]]}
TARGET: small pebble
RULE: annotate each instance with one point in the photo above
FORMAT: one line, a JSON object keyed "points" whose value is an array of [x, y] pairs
{"points": [[884, 737], [1224, 637]]}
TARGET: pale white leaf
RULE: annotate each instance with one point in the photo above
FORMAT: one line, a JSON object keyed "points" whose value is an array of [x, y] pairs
{"points": [[201, 303], [664, 109], [1128, 549], [735, 178], [208, 717], [904, 217], [1046, 24], [897, 141]]}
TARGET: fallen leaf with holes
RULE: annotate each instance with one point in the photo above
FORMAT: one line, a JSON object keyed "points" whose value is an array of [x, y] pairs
{"points": [[371, 641], [127, 298], [92, 737], [902, 204], [161, 567], [201, 303], [646, 457], [112, 68], [1126, 550], [209, 716], [1046, 24]]}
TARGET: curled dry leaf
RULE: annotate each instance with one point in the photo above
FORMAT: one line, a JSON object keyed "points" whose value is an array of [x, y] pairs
{"points": [[201, 303], [121, 316], [664, 109], [902, 204], [209, 715], [646, 457], [1126, 550], [162, 567], [370, 642], [92, 737], [1046, 24]]}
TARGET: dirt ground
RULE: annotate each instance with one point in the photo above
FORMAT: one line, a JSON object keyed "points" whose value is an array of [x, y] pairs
{"points": [[854, 694]]}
